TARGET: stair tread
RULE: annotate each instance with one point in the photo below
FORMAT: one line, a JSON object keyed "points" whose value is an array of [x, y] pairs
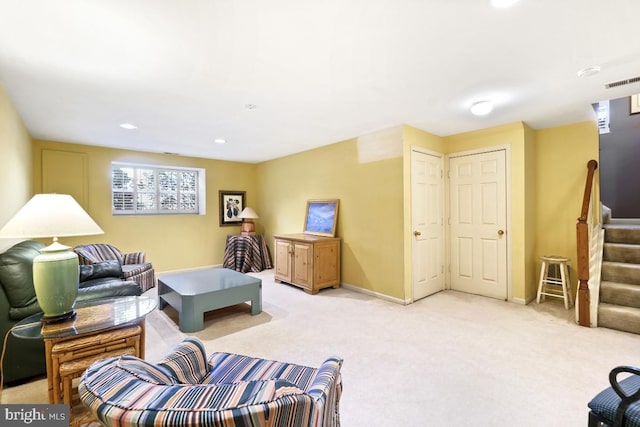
{"points": [[621, 264], [618, 306], [623, 245], [618, 317], [621, 226], [619, 285]]}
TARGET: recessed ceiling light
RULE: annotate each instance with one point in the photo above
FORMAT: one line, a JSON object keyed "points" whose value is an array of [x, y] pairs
{"points": [[219, 141], [128, 126], [589, 71], [503, 3], [250, 106], [481, 108]]}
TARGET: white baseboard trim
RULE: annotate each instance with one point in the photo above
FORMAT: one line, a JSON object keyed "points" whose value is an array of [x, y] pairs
{"points": [[184, 270], [375, 294], [523, 301]]}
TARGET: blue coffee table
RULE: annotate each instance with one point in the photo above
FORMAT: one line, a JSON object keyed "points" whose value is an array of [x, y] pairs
{"points": [[193, 293]]}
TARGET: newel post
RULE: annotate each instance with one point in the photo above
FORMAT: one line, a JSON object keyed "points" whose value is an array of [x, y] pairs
{"points": [[584, 318]]}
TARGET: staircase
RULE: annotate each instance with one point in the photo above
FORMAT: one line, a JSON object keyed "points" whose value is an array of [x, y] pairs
{"points": [[620, 286]]}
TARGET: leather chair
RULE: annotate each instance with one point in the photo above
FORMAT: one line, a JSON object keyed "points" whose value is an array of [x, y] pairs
{"points": [[187, 389], [133, 264], [25, 358]]}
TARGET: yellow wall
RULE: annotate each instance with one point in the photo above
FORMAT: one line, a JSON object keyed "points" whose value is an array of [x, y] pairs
{"points": [[366, 174], [15, 163], [171, 242], [562, 156], [530, 213], [370, 175]]}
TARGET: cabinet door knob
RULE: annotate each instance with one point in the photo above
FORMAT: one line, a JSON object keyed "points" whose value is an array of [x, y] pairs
{"points": [[500, 232]]}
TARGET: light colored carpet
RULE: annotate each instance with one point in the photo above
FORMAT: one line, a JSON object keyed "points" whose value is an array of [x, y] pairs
{"points": [[451, 359]]}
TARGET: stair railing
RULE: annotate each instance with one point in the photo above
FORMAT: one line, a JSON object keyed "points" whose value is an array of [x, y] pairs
{"points": [[582, 229]]}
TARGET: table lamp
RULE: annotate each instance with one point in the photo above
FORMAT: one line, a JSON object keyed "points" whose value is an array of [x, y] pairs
{"points": [[248, 226], [55, 270]]}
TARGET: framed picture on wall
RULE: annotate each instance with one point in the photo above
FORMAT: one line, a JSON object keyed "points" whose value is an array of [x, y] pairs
{"points": [[321, 217], [231, 205], [635, 104]]}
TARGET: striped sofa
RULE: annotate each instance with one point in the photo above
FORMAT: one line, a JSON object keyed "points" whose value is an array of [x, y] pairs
{"points": [[133, 264], [186, 389]]}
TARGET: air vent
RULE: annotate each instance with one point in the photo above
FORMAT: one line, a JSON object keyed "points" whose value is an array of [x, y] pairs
{"points": [[622, 82]]}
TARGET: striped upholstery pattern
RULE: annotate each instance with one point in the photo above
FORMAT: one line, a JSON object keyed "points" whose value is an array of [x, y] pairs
{"points": [[143, 274], [187, 364], [133, 264], [246, 253], [126, 391], [98, 252]]}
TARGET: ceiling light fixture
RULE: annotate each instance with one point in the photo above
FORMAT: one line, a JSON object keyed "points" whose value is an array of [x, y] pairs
{"points": [[481, 108], [128, 126], [589, 71], [250, 106], [219, 141], [503, 3]]}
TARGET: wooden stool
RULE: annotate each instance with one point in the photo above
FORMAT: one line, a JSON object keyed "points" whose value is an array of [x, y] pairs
{"points": [[557, 285]]}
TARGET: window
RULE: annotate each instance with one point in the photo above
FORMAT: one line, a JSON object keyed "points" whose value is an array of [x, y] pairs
{"points": [[151, 190]]}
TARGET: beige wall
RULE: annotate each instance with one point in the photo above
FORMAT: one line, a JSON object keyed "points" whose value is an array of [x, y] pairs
{"points": [[366, 174], [171, 242], [562, 156], [15, 163]]}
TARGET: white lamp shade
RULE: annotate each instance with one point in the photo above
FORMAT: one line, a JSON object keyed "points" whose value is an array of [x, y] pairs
{"points": [[248, 213], [50, 215]]}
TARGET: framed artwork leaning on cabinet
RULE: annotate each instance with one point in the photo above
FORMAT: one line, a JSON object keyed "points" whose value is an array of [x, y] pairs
{"points": [[321, 217]]}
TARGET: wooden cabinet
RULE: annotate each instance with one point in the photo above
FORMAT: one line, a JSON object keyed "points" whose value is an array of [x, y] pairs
{"points": [[311, 262]]}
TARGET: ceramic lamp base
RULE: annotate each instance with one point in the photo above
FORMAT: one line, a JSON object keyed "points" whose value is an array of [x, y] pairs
{"points": [[59, 319], [55, 279]]}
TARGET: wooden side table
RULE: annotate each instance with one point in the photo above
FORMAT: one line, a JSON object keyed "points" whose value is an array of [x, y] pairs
{"points": [[101, 329], [246, 252]]}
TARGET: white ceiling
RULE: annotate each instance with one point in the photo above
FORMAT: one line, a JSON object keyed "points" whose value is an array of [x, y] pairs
{"points": [[318, 72]]}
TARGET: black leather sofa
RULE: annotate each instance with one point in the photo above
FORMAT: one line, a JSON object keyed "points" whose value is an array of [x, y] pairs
{"points": [[25, 358]]}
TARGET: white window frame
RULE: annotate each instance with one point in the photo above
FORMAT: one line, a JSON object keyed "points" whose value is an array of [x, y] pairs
{"points": [[156, 210]]}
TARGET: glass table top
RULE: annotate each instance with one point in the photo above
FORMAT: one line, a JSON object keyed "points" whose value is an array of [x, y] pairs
{"points": [[92, 316]]}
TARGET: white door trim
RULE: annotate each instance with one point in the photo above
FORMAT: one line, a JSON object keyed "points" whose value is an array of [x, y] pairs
{"points": [[509, 260]]}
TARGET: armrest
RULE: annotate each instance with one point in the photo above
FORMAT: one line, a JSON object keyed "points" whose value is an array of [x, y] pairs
{"points": [[326, 379], [626, 399], [133, 258]]}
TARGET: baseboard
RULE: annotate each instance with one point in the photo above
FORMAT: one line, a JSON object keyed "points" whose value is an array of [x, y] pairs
{"points": [[184, 270], [522, 300], [375, 294]]}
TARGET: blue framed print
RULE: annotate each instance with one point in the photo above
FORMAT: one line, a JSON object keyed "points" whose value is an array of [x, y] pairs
{"points": [[321, 217]]}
